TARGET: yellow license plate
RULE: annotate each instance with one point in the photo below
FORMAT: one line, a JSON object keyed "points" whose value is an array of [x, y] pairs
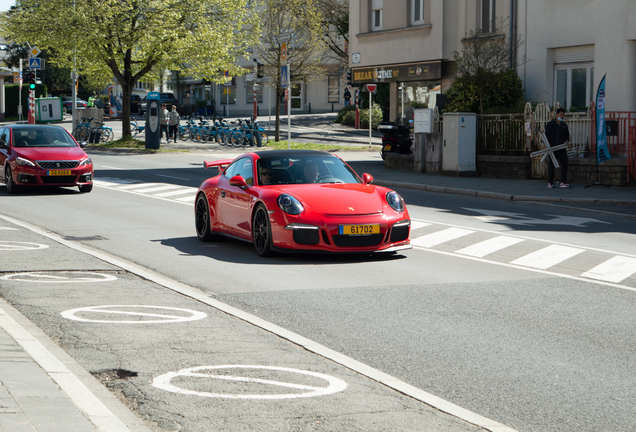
{"points": [[359, 229], [387, 148], [58, 172]]}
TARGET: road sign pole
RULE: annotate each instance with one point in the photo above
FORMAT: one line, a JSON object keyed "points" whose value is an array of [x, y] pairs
{"points": [[370, 115], [20, 95]]}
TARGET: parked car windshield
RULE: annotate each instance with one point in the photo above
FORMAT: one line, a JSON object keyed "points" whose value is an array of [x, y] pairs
{"points": [[303, 169], [41, 137]]}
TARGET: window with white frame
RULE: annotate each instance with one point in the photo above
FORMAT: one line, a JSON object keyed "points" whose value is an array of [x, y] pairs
{"points": [[488, 15], [376, 14], [417, 12], [574, 85]]}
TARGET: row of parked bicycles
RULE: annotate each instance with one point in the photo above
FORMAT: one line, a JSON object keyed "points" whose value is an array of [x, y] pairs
{"points": [[85, 132], [239, 133]]}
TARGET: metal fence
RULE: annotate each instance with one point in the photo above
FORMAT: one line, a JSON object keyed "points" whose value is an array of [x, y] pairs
{"points": [[501, 135]]}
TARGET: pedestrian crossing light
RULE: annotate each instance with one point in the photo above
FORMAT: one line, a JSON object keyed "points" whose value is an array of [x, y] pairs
{"points": [[260, 70], [349, 78], [32, 86]]}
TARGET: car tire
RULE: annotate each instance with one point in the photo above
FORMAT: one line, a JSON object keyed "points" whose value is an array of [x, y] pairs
{"points": [[85, 188], [202, 220], [262, 232], [12, 188]]}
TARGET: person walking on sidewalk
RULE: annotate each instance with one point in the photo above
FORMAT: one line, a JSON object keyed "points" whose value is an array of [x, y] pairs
{"points": [[347, 97], [556, 131], [163, 121], [173, 121]]}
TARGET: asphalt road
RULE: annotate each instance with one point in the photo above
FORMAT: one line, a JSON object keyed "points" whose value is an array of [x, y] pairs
{"points": [[534, 335]]}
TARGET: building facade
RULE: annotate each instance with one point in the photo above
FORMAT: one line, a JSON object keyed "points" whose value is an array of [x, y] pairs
{"points": [[567, 47]]}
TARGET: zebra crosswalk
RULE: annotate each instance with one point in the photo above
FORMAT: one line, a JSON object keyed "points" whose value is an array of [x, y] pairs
{"points": [[523, 252], [166, 191]]}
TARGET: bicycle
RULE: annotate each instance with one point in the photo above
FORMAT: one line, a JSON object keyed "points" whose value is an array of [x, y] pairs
{"points": [[105, 133], [135, 128], [82, 132]]}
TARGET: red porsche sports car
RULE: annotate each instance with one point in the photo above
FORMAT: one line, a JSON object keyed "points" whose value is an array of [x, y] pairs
{"points": [[300, 200], [42, 155]]}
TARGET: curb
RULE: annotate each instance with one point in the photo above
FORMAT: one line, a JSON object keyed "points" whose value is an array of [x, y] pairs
{"points": [[502, 196]]}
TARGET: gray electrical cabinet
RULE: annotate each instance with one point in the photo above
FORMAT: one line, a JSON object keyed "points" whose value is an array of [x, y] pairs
{"points": [[460, 142]]}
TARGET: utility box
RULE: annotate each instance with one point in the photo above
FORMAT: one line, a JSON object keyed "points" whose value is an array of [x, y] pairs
{"points": [[48, 109], [460, 143], [153, 128], [422, 120]]}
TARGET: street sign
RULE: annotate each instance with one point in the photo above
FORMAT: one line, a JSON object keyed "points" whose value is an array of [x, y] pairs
{"points": [[34, 63], [16, 77], [34, 52], [372, 87], [283, 53], [284, 76]]}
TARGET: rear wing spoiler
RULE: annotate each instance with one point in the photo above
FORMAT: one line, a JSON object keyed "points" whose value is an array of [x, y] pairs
{"points": [[219, 164]]}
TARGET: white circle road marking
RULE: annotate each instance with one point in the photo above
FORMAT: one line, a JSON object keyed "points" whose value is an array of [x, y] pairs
{"points": [[13, 245], [58, 277], [335, 384], [189, 315]]}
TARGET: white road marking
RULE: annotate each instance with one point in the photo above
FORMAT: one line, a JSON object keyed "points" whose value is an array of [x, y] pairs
{"points": [[615, 269], [58, 277], [81, 396], [157, 188], [335, 384], [548, 257], [186, 199], [520, 219], [8, 229], [307, 344], [179, 315], [417, 224], [138, 185], [440, 237], [20, 246], [173, 193], [489, 246]]}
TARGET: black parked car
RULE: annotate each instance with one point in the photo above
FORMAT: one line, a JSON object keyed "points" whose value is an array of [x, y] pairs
{"points": [[168, 99]]}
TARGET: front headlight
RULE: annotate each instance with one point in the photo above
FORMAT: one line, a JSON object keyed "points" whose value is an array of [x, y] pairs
{"points": [[290, 205], [395, 201], [22, 161], [85, 162]]}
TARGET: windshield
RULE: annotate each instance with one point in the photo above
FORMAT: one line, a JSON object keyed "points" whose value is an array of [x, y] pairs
{"points": [[42, 137], [304, 169]]}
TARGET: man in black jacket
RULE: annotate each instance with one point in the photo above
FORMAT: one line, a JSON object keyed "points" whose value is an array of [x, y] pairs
{"points": [[557, 133]]}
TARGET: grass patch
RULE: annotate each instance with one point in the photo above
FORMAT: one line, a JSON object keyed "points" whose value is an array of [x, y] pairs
{"points": [[283, 145], [128, 143]]}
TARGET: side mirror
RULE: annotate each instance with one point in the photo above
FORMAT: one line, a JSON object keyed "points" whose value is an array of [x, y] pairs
{"points": [[239, 181], [367, 178], [3, 145], [83, 144]]}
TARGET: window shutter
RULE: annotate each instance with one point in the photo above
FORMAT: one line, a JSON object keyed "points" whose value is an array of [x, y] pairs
{"points": [[376, 4], [574, 54]]}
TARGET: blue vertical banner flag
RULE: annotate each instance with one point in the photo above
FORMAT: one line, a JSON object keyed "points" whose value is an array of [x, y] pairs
{"points": [[602, 152]]}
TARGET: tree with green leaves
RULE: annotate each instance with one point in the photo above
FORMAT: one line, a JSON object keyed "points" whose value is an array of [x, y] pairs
{"points": [[128, 39], [484, 79], [299, 23], [334, 15]]}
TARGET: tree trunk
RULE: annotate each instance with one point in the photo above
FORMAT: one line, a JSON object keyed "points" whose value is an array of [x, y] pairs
{"points": [[125, 109]]}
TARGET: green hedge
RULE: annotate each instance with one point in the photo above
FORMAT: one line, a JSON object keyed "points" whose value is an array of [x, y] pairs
{"points": [[350, 117], [12, 98]]}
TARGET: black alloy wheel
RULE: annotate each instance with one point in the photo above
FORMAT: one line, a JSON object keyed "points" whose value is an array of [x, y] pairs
{"points": [[202, 219], [262, 232]]}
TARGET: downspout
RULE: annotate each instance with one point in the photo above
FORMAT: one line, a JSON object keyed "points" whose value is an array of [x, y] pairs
{"points": [[511, 39]]}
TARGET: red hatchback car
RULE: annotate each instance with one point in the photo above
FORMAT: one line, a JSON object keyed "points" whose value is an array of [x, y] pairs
{"points": [[295, 200], [42, 155]]}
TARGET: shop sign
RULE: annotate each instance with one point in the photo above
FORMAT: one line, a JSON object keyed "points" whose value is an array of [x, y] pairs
{"points": [[405, 73]]}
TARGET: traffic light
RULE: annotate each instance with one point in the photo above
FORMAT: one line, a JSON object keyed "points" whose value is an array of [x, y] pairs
{"points": [[349, 77], [30, 77], [260, 70]]}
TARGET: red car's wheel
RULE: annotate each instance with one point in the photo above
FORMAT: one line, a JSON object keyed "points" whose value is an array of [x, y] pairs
{"points": [[202, 220], [12, 188], [262, 232]]}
